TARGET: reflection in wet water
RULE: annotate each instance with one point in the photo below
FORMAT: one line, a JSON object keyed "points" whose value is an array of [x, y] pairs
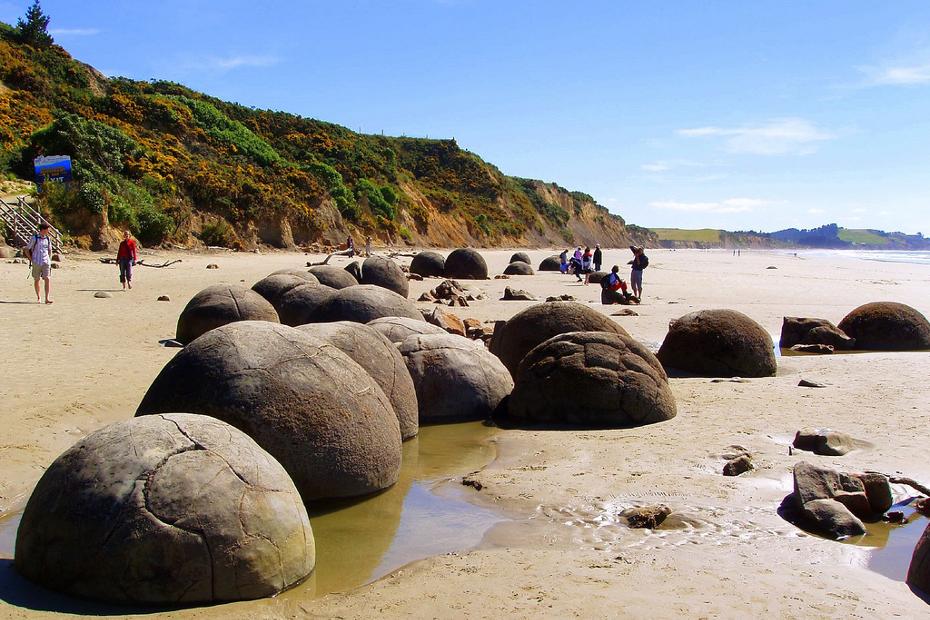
{"points": [[894, 543]]}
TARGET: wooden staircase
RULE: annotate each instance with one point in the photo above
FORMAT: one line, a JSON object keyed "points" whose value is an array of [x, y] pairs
{"points": [[22, 221]]}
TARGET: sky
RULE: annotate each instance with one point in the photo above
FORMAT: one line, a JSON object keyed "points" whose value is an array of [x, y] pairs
{"points": [[758, 115]]}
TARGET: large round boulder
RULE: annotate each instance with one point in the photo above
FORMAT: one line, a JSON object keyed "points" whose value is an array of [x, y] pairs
{"points": [[718, 343], [466, 264], [520, 257], [364, 303], [380, 359], [536, 324], [302, 399], [298, 305], [428, 264], [399, 328], [273, 286], [519, 268], [887, 326], [355, 269], [551, 263], [333, 276], [384, 272], [174, 509], [595, 379], [455, 378], [220, 304], [918, 572]]}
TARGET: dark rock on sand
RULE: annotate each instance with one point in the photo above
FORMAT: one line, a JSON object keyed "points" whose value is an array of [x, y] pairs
{"points": [[384, 272], [824, 441], [646, 517], [219, 305], [800, 330], [887, 326], [516, 294], [918, 573], [428, 264], [466, 264], [551, 263], [519, 268], [520, 257]]}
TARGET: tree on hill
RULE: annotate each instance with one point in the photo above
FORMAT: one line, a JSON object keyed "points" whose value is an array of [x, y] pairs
{"points": [[34, 30]]}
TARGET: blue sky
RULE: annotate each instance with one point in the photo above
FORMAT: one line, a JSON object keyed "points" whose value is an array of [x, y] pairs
{"points": [[738, 115]]}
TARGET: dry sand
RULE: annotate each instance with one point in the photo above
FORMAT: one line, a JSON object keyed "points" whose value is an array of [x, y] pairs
{"points": [[84, 362]]}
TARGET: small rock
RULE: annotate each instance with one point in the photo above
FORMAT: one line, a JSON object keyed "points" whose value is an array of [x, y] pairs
{"points": [[625, 312], [737, 466], [895, 516], [103, 294], [514, 294], [446, 320], [213, 266], [922, 506], [733, 380], [56, 258], [501, 277], [55, 265], [771, 267], [427, 297], [164, 298], [649, 517], [811, 384], [564, 297], [823, 441], [472, 323], [823, 349], [414, 276]]}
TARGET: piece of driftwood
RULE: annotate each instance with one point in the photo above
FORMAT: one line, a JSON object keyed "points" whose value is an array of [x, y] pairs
{"points": [[911, 483], [113, 261]]}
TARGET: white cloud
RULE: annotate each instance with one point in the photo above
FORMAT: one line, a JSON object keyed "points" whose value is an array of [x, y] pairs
{"points": [[216, 63], [731, 205], [896, 76], [782, 136], [663, 166], [76, 32], [816, 211]]}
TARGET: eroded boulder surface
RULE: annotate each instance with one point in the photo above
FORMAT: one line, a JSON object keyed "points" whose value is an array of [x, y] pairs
{"points": [[174, 509], [887, 326], [516, 337], [428, 264], [804, 331], [333, 276], [520, 257], [298, 306], [466, 264], [918, 572], [824, 441], [273, 286], [718, 343], [399, 328], [551, 263], [384, 272], [519, 268], [364, 303], [455, 378], [221, 304], [307, 403], [593, 379], [380, 358]]}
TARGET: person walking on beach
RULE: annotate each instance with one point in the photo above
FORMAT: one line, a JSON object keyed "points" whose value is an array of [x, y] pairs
{"points": [[598, 257], [39, 253], [368, 245], [126, 257], [640, 262], [586, 263]]}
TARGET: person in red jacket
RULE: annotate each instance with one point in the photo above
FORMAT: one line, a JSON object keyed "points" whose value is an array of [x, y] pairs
{"points": [[126, 257]]}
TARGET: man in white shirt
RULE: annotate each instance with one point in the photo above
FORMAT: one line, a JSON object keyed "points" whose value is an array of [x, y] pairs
{"points": [[39, 251]]}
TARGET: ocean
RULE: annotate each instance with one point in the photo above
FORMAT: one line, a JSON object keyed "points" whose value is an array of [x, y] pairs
{"points": [[915, 257]]}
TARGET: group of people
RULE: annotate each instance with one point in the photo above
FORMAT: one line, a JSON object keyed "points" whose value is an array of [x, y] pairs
{"points": [[582, 263]]}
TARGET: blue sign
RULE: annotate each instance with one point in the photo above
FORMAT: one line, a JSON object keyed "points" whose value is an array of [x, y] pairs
{"points": [[55, 168]]}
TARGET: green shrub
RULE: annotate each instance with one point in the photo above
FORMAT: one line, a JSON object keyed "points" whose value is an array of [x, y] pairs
{"points": [[218, 233], [231, 133], [154, 225], [381, 200], [93, 197]]}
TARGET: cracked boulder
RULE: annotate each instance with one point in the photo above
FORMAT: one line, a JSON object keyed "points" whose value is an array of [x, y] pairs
{"points": [[276, 284], [364, 303], [380, 271], [298, 305], [221, 304], [887, 326], [307, 403], [455, 378], [593, 379], [399, 328], [333, 276], [380, 359], [174, 509]]}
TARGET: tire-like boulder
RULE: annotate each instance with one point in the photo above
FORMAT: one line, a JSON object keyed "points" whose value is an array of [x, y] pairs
{"points": [[718, 343], [520, 257], [218, 305], [380, 359], [384, 272], [399, 328], [333, 276], [300, 398], [273, 286], [887, 326], [298, 306], [364, 303], [428, 264], [800, 330], [536, 324], [519, 268], [174, 509], [594, 379], [455, 378], [466, 264], [551, 263]]}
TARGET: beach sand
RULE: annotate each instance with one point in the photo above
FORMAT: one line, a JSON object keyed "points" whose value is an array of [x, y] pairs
{"points": [[84, 362]]}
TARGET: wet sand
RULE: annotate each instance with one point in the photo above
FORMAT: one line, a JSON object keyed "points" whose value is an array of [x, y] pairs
{"points": [[84, 362]]}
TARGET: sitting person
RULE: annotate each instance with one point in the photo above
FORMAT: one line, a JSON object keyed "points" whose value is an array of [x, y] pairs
{"points": [[614, 290]]}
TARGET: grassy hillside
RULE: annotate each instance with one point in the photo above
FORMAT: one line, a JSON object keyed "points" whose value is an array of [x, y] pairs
{"points": [[862, 237], [704, 235], [173, 164]]}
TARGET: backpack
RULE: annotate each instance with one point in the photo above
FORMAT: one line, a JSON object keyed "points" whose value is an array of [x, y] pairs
{"points": [[643, 261]]}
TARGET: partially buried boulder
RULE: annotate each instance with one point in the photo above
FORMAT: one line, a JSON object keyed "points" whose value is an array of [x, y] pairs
{"points": [[298, 305], [428, 264], [174, 509], [887, 326], [455, 378], [333, 276], [302, 399], [594, 379], [273, 286], [364, 303], [538, 323], [918, 572], [520, 257], [799, 330], [552, 263], [218, 305], [386, 273], [399, 328], [380, 359], [519, 268], [718, 343], [466, 264]]}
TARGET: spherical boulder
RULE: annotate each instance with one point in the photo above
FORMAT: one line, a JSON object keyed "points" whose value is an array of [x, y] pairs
{"points": [[218, 305], [273, 286], [520, 257], [294, 271], [918, 572], [466, 264], [428, 264], [536, 324], [455, 378], [380, 359], [552, 263], [399, 328], [384, 272], [333, 276], [718, 343], [595, 277], [364, 303], [355, 269], [596, 379], [887, 326], [298, 305], [174, 509], [519, 268], [302, 399]]}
